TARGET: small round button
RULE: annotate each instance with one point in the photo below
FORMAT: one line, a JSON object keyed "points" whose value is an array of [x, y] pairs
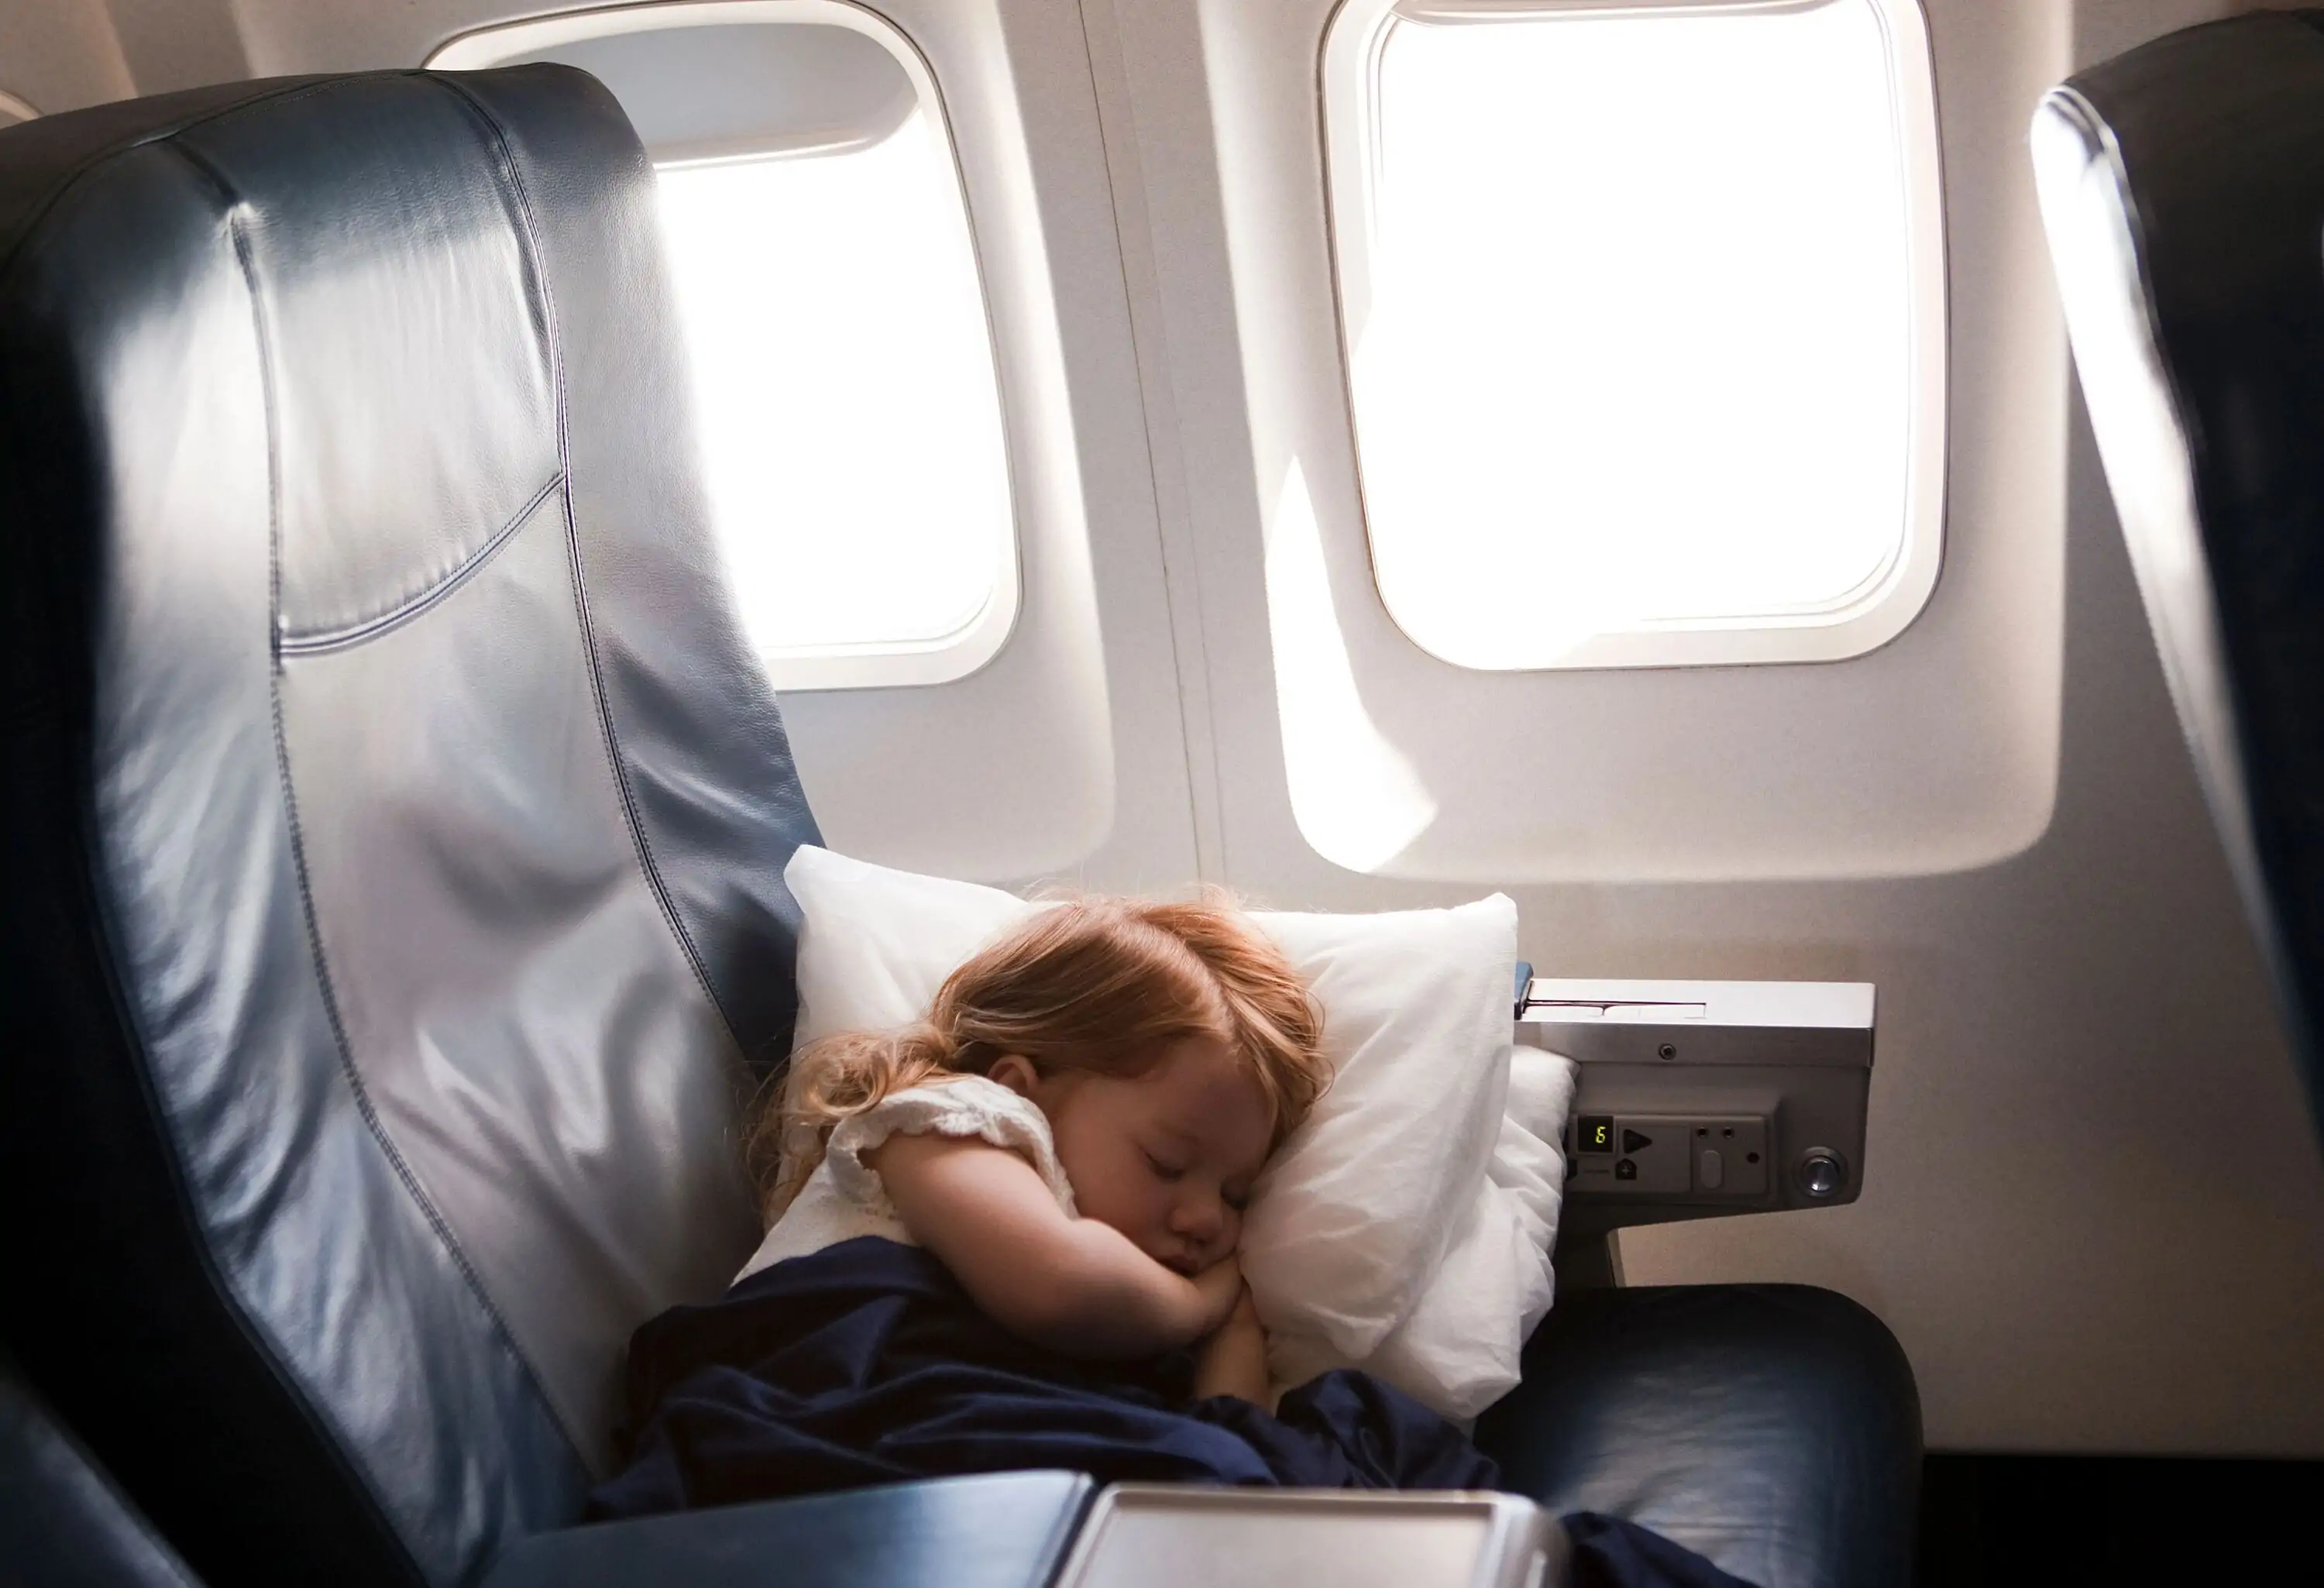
{"points": [[1822, 1172]]}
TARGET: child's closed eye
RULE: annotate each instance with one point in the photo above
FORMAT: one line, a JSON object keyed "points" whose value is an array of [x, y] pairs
{"points": [[1162, 1170]]}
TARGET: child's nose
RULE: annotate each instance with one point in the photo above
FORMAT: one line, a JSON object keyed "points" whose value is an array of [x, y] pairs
{"points": [[1199, 1218]]}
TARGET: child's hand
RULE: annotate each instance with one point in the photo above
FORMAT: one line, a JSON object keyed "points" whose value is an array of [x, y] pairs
{"points": [[1245, 1314], [1221, 1288], [1233, 1359]]}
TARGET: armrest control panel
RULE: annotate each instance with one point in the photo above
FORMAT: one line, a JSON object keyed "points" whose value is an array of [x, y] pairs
{"points": [[1670, 1155], [1702, 1098]]}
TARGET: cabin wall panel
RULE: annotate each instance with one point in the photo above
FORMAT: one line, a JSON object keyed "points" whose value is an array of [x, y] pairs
{"points": [[61, 55], [172, 44]]}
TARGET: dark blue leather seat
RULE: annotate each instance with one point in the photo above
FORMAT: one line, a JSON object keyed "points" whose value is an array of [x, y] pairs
{"points": [[1773, 1428], [2182, 187], [394, 825]]}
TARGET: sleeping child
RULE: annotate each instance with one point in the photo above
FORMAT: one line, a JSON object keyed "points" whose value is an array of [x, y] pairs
{"points": [[1006, 1238]]}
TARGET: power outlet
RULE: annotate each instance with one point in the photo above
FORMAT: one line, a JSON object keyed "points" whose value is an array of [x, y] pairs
{"points": [[1676, 1157], [1729, 1156]]}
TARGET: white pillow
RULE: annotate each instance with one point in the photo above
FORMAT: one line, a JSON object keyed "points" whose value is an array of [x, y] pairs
{"points": [[874, 944], [1458, 1351], [1351, 1221], [1371, 1240]]}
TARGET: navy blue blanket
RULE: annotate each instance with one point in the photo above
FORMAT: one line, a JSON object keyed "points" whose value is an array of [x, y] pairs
{"points": [[866, 1363]]}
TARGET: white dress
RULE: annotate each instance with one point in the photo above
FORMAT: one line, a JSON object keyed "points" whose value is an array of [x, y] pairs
{"points": [[843, 1199]]}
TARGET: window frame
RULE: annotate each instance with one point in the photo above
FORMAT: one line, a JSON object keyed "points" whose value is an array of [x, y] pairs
{"points": [[868, 664], [1347, 70]]}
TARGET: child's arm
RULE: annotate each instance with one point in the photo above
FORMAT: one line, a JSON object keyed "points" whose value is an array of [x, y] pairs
{"points": [[1075, 1286], [1233, 1360]]}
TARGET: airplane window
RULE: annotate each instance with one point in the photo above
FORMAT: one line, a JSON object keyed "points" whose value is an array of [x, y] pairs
{"points": [[850, 413], [1644, 326], [847, 398]]}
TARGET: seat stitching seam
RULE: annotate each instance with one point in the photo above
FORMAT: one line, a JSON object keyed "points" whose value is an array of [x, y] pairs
{"points": [[344, 1050], [311, 641], [644, 848]]}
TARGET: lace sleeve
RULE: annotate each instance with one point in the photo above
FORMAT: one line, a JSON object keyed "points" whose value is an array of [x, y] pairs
{"points": [[970, 1105]]}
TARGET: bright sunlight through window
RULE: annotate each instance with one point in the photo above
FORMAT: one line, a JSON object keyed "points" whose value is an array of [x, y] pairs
{"points": [[847, 401], [1641, 333]]}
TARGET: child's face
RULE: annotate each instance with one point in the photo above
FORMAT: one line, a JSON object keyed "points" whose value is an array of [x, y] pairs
{"points": [[1167, 1158]]}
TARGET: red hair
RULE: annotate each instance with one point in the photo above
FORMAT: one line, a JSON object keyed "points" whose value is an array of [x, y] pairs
{"points": [[1101, 985]]}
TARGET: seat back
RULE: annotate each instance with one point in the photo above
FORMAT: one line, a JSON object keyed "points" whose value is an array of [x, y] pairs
{"points": [[395, 816], [2182, 189]]}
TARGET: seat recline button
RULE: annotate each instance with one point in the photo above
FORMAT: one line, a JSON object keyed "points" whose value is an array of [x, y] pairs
{"points": [[1822, 1172], [1714, 1171]]}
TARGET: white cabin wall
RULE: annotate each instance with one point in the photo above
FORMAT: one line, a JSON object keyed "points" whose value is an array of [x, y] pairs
{"points": [[2093, 1211], [182, 43], [61, 55]]}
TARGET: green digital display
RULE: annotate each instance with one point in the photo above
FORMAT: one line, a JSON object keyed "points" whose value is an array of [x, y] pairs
{"points": [[1594, 1132]]}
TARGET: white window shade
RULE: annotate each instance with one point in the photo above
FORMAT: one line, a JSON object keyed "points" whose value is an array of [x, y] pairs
{"points": [[1644, 323]]}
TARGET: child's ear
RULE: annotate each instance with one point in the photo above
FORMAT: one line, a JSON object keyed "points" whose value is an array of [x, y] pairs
{"points": [[1016, 1072]]}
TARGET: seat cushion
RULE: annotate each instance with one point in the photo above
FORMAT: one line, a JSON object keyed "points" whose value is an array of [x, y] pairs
{"points": [[1772, 1429]]}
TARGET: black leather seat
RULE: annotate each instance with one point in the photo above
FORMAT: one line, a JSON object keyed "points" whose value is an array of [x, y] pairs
{"points": [[1773, 1428], [2182, 187], [394, 825]]}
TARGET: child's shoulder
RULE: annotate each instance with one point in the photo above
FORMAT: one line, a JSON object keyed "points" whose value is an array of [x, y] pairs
{"points": [[957, 1106]]}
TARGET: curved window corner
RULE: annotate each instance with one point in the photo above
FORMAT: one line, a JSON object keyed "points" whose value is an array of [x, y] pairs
{"points": [[846, 390], [1643, 317]]}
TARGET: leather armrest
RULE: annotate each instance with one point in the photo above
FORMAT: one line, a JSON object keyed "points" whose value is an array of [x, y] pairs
{"points": [[1005, 1531]]}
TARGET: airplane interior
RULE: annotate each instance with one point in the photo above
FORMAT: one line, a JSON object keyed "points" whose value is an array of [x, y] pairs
{"points": [[1629, 694]]}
